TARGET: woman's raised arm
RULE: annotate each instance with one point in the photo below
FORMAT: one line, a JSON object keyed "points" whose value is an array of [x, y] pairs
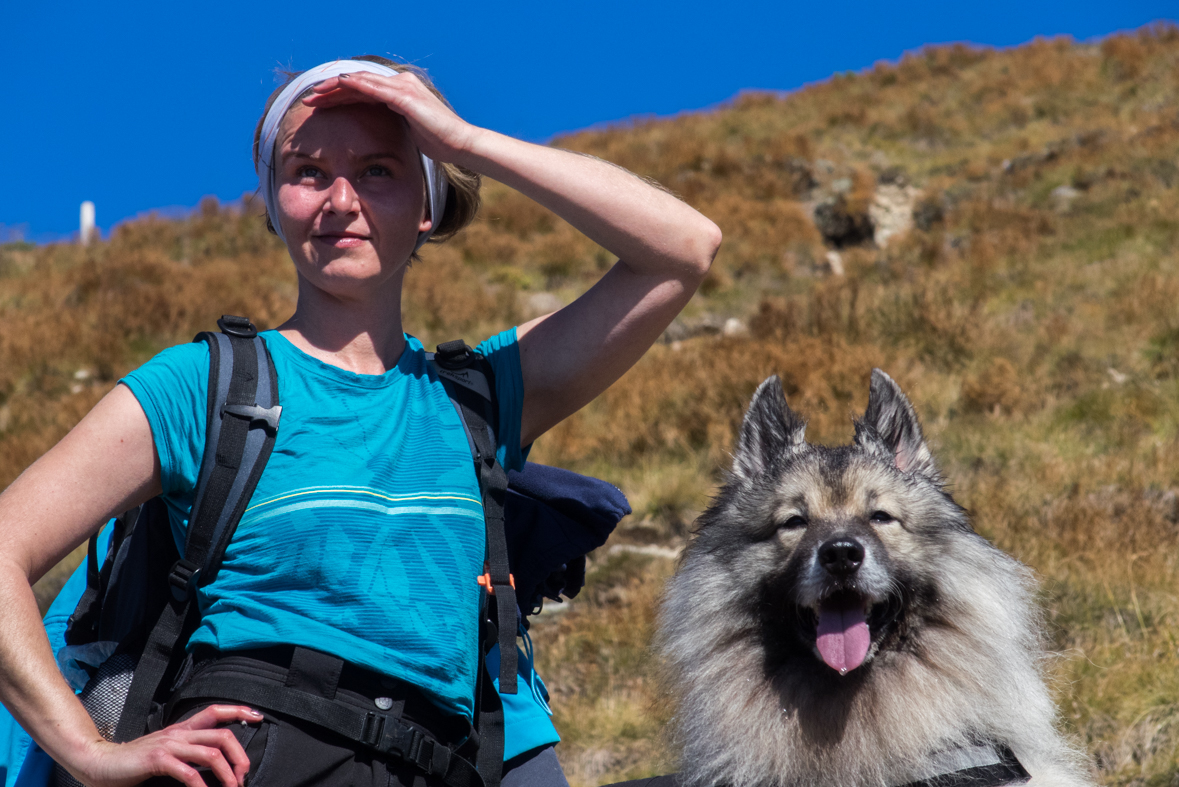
{"points": [[665, 247], [104, 466]]}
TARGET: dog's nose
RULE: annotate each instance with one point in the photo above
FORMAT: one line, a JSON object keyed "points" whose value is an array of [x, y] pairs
{"points": [[841, 557]]}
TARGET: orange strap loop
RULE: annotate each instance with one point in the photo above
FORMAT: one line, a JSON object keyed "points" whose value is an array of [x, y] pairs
{"points": [[485, 580]]}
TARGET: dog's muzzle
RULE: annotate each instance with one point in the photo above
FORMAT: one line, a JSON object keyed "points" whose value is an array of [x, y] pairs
{"points": [[843, 637]]}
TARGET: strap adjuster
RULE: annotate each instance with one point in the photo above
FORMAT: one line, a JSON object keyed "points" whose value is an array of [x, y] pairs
{"points": [[253, 413], [183, 578], [237, 326], [372, 730], [454, 355], [484, 580]]}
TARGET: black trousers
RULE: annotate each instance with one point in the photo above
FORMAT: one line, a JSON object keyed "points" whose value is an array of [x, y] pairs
{"points": [[283, 754], [286, 754], [292, 752]]}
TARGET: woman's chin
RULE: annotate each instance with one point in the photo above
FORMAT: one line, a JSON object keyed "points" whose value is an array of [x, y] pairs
{"points": [[348, 276]]}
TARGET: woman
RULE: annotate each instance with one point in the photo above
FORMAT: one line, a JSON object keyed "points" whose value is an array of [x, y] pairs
{"points": [[354, 172]]}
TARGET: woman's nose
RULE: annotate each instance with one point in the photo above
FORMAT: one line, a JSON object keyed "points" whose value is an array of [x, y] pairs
{"points": [[342, 197]]}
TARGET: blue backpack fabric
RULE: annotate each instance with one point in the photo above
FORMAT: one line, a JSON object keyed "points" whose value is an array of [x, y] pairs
{"points": [[552, 519]]}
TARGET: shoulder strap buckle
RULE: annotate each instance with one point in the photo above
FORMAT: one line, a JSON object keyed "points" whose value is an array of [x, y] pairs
{"points": [[253, 413], [237, 326], [184, 578]]}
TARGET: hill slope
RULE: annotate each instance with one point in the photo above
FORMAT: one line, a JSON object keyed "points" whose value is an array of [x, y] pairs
{"points": [[998, 230]]}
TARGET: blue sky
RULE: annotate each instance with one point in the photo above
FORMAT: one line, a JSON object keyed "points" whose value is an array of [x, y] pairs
{"points": [[139, 106]]}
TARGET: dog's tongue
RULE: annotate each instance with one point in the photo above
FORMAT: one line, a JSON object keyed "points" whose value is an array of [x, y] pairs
{"points": [[843, 636]]}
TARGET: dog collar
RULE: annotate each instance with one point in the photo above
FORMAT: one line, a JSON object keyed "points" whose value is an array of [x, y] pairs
{"points": [[982, 765]]}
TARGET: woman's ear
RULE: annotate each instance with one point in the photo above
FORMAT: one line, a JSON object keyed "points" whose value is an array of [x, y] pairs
{"points": [[427, 223]]}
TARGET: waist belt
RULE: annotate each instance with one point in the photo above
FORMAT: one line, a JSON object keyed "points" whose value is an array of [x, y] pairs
{"points": [[306, 690]]}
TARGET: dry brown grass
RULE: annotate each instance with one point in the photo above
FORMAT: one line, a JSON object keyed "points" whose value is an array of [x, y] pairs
{"points": [[1038, 335]]}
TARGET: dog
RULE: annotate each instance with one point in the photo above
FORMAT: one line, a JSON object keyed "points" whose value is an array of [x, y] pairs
{"points": [[835, 620]]}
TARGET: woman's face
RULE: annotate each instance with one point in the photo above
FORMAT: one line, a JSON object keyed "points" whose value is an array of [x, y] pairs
{"points": [[351, 195]]}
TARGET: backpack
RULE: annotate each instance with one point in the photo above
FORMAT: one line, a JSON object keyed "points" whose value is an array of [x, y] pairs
{"points": [[125, 639]]}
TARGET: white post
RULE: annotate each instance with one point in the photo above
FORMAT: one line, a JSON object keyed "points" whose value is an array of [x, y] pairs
{"points": [[86, 231]]}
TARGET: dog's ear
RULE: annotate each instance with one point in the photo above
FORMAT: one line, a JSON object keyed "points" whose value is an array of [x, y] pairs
{"points": [[890, 428], [770, 430]]}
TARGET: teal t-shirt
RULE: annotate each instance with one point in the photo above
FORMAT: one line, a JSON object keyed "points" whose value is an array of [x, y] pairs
{"points": [[365, 534]]}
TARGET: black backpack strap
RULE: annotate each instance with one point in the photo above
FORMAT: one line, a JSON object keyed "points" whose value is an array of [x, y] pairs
{"points": [[489, 723], [242, 421], [470, 384], [243, 414], [85, 622], [468, 380]]}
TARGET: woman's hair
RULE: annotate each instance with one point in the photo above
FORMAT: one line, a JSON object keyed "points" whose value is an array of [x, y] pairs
{"points": [[462, 193]]}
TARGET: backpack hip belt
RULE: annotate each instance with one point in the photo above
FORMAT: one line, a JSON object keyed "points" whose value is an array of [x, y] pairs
{"points": [[308, 690]]}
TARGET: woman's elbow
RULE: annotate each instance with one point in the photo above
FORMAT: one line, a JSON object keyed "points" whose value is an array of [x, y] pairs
{"points": [[707, 240]]}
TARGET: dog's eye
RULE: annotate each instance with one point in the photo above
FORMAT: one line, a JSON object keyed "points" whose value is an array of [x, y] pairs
{"points": [[882, 516], [794, 523]]}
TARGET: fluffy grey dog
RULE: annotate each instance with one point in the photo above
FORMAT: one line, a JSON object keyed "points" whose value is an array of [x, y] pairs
{"points": [[837, 621]]}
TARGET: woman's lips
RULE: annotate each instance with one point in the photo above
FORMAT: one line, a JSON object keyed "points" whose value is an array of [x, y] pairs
{"points": [[341, 241]]}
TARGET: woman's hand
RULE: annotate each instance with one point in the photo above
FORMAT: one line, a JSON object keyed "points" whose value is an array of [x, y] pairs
{"points": [[436, 130], [175, 751]]}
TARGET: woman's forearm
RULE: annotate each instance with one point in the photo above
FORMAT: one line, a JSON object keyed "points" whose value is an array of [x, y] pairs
{"points": [[106, 463], [651, 231], [30, 685]]}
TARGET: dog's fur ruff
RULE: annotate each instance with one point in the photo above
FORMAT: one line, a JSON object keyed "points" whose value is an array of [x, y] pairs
{"points": [[956, 650]]}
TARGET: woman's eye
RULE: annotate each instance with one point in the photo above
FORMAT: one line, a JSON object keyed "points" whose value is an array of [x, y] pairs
{"points": [[794, 522], [377, 170], [882, 516], [308, 172]]}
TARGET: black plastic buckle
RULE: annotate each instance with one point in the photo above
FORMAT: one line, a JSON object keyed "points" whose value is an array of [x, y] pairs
{"points": [[237, 326], [253, 413], [392, 737], [373, 730], [397, 740], [423, 754], [183, 578], [454, 355]]}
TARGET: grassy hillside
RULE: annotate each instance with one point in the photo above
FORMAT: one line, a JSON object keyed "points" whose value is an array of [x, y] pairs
{"points": [[1026, 296]]}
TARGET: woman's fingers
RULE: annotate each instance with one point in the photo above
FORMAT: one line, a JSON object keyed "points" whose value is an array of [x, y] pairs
{"points": [[215, 715], [225, 742], [335, 91], [436, 129], [185, 774], [209, 757], [205, 728]]}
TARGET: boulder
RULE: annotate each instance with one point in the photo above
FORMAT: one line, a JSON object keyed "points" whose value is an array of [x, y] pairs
{"points": [[840, 227]]}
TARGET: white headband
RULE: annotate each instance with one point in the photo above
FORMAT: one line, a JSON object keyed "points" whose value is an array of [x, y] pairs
{"points": [[436, 183]]}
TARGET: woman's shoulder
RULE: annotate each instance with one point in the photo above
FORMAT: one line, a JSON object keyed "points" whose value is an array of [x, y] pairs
{"points": [[188, 361], [499, 342]]}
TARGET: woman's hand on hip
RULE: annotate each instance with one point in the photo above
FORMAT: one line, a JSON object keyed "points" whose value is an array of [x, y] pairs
{"points": [[176, 751], [435, 128]]}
